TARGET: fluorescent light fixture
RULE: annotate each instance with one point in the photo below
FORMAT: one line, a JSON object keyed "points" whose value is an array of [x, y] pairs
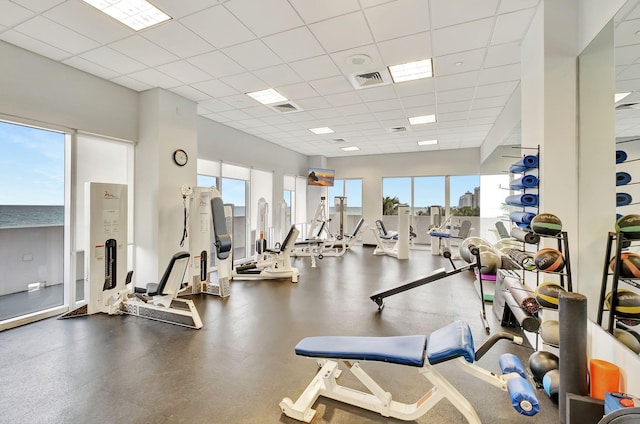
{"points": [[136, 14], [321, 130], [620, 96], [267, 97], [411, 71], [427, 142], [425, 119], [350, 149]]}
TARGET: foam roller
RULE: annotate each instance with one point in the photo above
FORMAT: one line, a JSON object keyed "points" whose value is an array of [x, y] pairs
{"points": [[522, 258], [523, 398], [527, 322], [522, 217], [527, 162], [623, 199], [527, 181], [621, 156], [522, 200], [524, 235], [622, 178], [511, 363]]}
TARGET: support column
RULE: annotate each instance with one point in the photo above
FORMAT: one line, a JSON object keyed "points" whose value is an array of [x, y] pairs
{"points": [[167, 122]]}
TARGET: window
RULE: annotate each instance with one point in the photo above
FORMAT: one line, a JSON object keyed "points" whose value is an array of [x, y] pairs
{"points": [[395, 191], [465, 195]]}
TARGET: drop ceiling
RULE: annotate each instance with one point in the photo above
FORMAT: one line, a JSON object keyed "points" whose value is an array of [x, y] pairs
{"points": [[213, 52]]}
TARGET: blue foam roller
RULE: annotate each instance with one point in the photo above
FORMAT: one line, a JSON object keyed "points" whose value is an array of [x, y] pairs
{"points": [[621, 156], [511, 363], [623, 199], [622, 178], [523, 398], [527, 162], [526, 181], [522, 217], [522, 200]]}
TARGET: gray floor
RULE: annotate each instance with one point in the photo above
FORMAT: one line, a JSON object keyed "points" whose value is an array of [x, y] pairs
{"points": [[115, 369]]}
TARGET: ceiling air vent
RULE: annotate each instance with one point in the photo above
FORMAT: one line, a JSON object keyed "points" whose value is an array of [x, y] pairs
{"points": [[394, 130], [627, 106], [339, 140], [370, 79], [286, 107]]}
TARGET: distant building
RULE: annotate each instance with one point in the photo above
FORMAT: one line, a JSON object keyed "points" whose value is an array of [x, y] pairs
{"points": [[469, 199]]}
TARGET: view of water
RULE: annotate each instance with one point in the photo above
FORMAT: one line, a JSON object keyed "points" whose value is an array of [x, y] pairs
{"points": [[30, 216]]}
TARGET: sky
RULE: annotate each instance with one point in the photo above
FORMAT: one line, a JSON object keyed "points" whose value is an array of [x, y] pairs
{"points": [[429, 190], [32, 166]]}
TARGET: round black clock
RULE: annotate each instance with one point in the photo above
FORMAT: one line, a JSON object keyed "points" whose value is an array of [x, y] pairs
{"points": [[180, 157]]}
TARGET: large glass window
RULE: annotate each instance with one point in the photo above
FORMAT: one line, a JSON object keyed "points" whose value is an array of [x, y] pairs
{"points": [[32, 221], [395, 191], [465, 195]]}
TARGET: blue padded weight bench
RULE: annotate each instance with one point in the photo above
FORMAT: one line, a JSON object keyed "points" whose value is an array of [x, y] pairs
{"points": [[463, 232], [448, 343]]}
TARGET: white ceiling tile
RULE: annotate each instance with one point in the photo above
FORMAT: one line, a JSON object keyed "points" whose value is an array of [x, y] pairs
{"points": [[454, 81], [294, 44], [343, 99], [499, 74], [12, 14], [259, 111], [215, 88], [406, 49], [454, 125], [385, 105], [342, 32], [625, 33], [265, 17], [315, 68], [184, 71], [244, 82], [216, 117], [452, 116], [492, 90], [252, 55], [131, 83], [215, 105], [416, 101], [502, 54], [37, 5], [481, 113], [454, 107], [331, 85], [275, 120], [455, 95], [218, 26], [235, 115], [217, 64], [88, 21], [419, 111], [341, 59], [111, 59], [630, 72], [177, 39], [313, 11], [446, 13], [479, 121], [513, 5], [398, 19], [297, 91], [143, 51], [377, 93], [278, 75], [512, 26], [415, 87], [54, 34], [313, 103], [626, 55], [498, 101], [90, 67], [390, 115], [467, 36], [36, 46], [239, 101], [325, 113], [178, 9], [459, 62], [190, 93], [155, 78]]}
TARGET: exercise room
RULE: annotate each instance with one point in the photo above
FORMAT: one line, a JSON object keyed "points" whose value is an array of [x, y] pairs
{"points": [[337, 211]]}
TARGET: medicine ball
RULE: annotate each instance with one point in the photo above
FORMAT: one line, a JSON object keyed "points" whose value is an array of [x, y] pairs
{"points": [[550, 332], [549, 260], [630, 265], [629, 225], [490, 262], [551, 384], [547, 294], [540, 363], [628, 306], [547, 224], [627, 339]]}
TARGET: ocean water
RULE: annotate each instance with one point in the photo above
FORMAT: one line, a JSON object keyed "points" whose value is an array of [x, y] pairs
{"points": [[30, 216]]}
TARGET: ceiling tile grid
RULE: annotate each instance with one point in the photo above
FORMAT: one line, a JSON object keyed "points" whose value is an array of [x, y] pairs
{"points": [[214, 52]]}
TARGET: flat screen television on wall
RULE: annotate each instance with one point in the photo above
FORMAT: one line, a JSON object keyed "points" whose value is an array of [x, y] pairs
{"points": [[320, 177]]}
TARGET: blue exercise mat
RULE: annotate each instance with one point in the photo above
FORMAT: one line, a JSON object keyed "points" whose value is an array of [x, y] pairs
{"points": [[522, 217], [623, 178], [527, 181], [522, 200], [623, 199], [621, 156], [527, 162]]}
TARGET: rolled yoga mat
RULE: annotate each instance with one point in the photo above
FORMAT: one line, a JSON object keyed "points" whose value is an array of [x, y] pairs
{"points": [[522, 200], [574, 366], [527, 162], [622, 178], [524, 235], [522, 296], [526, 181], [522, 217], [621, 156], [623, 199], [523, 259]]}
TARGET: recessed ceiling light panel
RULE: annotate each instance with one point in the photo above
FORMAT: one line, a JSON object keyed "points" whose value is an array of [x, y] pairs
{"points": [[349, 149], [427, 142], [321, 130], [411, 71], [136, 14], [267, 97], [425, 119], [620, 96]]}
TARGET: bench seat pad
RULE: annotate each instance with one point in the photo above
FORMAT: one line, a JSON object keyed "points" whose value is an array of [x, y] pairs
{"points": [[404, 350]]}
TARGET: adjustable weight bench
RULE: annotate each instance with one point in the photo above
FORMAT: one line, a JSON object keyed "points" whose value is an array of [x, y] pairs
{"points": [[452, 342]]}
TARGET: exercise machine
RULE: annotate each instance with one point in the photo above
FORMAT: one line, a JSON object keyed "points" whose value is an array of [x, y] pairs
{"points": [[379, 296], [400, 249], [319, 225], [441, 237], [453, 342]]}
